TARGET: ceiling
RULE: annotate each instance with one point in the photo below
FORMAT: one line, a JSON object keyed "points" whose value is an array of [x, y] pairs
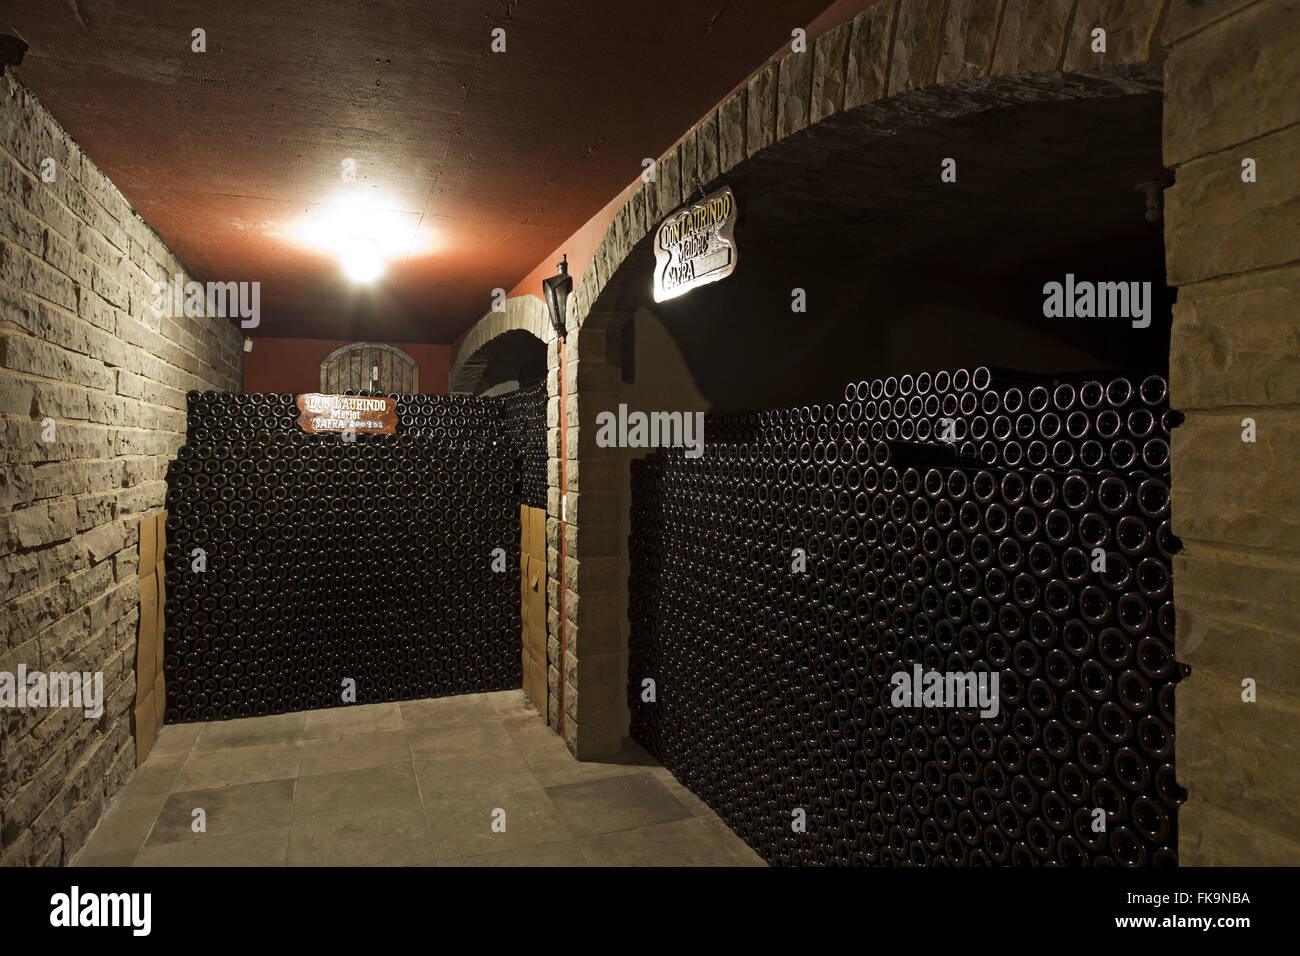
{"points": [[496, 158]]}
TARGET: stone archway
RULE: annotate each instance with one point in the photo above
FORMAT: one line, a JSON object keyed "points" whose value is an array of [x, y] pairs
{"points": [[896, 64], [524, 313]]}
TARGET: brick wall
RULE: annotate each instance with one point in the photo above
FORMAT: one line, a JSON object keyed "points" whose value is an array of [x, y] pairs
{"points": [[81, 348]]}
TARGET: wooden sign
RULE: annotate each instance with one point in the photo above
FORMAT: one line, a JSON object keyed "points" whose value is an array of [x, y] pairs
{"points": [[696, 245], [340, 413]]}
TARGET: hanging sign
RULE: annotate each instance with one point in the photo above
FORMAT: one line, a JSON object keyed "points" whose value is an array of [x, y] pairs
{"points": [[695, 245], [339, 413]]}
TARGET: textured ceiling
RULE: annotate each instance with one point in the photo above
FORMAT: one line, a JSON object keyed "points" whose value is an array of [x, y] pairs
{"points": [[496, 158]]}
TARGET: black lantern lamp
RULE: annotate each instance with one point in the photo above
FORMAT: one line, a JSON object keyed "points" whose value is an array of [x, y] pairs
{"points": [[557, 289]]}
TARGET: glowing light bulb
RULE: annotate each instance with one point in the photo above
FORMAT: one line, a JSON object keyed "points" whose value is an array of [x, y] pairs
{"points": [[362, 261], [365, 231]]}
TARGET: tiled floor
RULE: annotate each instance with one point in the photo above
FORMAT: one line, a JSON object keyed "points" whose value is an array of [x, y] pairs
{"points": [[412, 784]]}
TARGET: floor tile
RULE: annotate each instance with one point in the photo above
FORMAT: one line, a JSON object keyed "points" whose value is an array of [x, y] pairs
{"points": [[553, 763], [353, 719], [684, 796], [127, 824], [265, 805], [461, 740], [353, 752], [355, 793], [443, 712], [176, 739], [615, 803], [738, 848], [250, 732], [158, 772], [547, 854], [511, 704], [387, 836], [481, 775], [255, 848], [224, 768], [690, 842], [105, 858], [462, 828]]}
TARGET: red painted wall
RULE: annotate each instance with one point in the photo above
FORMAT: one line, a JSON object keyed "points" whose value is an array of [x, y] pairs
{"points": [[293, 365]]}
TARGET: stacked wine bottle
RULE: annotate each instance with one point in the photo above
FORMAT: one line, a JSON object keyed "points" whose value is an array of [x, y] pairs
{"points": [[306, 571], [524, 427], [781, 582]]}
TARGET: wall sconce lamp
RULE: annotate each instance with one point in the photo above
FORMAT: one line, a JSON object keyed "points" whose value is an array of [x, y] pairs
{"points": [[557, 289]]}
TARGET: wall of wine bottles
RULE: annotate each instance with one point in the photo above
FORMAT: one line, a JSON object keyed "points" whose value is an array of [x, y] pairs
{"points": [[524, 424], [300, 562], [961, 523]]}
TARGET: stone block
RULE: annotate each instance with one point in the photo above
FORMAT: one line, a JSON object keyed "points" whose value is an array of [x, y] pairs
{"points": [[1234, 492], [706, 151], [687, 156], [1184, 17], [1217, 225], [1243, 587], [794, 92], [731, 132], [1236, 341], [668, 183], [830, 52], [1241, 755], [867, 73], [1233, 82], [1237, 650], [1130, 27], [760, 113], [1210, 835], [968, 34], [918, 41], [1032, 35]]}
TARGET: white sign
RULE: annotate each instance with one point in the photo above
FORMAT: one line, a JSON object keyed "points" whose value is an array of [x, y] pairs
{"points": [[696, 245]]}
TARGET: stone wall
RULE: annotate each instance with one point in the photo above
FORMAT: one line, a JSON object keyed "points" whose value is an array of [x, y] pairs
{"points": [[92, 393], [1233, 251]]}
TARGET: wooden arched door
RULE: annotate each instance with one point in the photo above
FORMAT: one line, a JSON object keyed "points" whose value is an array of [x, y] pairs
{"points": [[369, 365]]}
